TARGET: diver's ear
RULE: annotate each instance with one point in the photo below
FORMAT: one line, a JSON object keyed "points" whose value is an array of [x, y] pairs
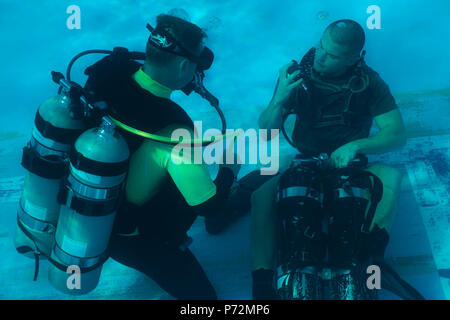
{"points": [[353, 60], [184, 64], [357, 58]]}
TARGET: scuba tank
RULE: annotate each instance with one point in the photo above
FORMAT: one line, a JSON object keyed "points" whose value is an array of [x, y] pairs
{"points": [[72, 186], [89, 199], [44, 158]]}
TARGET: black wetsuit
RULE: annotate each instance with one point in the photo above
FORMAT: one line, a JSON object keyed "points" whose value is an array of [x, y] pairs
{"points": [[175, 271], [158, 250]]}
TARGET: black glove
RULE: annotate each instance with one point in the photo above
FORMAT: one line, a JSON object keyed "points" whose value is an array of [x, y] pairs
{"points": [[263, 285], [215, 209]]}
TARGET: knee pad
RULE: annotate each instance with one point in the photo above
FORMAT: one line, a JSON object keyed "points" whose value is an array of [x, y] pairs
{"points": [[299, 202]]}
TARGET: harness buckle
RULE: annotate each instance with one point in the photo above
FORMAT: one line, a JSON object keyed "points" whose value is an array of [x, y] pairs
{"points": [[309, 235], [365, 230]]}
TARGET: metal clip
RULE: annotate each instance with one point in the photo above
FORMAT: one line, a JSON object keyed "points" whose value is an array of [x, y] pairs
{"points": [[69, 196], [309, 236]]}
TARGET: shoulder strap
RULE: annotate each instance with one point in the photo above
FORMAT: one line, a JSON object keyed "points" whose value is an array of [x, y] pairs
{"points": [[26, 249]]}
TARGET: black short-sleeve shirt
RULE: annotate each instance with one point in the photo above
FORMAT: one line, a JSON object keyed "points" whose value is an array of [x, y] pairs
{"points": [[375, 100]]}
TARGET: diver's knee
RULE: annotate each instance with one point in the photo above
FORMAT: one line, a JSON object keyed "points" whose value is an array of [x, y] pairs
{"points": [[265, 193], [254, 197]]}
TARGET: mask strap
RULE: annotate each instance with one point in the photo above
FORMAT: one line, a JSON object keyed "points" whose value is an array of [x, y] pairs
{"points": [[165, 41]]}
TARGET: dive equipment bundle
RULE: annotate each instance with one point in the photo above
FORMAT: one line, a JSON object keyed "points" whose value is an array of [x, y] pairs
{"points": [[67, 218], [326, 243], [326, 237], [55, 130]]}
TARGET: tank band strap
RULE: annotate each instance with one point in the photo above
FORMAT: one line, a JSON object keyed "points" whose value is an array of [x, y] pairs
{"points": [[87, 207], [62, 135], [86, 264], [45, 149], [32, 222], [98, 168], [87, 191], [50, 168], [298, 191]]}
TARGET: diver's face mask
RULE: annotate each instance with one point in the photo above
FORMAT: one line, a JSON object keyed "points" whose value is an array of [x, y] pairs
{"points": [[163, 40]]}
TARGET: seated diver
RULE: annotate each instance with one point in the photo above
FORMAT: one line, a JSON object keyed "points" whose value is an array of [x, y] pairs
{"points": [[334, 116], [162, 198]]}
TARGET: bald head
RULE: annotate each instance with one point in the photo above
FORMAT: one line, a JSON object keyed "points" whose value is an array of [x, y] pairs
{"points": [[339, 48], [348, 34]]}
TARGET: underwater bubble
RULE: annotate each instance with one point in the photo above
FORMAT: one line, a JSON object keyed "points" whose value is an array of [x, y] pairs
{"points": [[179, 13], [322, 15], [212, 24]]}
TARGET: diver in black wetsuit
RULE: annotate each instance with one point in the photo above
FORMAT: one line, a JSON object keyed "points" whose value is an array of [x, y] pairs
{"points": [[162, 197]]}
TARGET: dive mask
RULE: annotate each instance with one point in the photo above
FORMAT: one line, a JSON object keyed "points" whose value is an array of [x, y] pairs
{"points": [[163, 40]]}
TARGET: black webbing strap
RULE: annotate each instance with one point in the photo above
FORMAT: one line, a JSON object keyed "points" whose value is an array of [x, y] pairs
{"points": [[376, 192], [61, 135], [31, 222], [97, 168], [85, 206], [60, 266], [63, 267], [25, 249], [51, 167]]}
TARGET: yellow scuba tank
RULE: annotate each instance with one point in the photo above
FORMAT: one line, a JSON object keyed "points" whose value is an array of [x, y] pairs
{"points": [[98, 167], [44, 158]]}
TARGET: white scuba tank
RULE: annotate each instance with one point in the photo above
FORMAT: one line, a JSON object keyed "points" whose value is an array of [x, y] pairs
{"points": [[45, 160], [98, 168]]}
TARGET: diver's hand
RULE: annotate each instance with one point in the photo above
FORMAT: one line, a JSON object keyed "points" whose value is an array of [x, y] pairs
{"points": [[235, 167], [342, 156], [230, 159], [286, 84]]}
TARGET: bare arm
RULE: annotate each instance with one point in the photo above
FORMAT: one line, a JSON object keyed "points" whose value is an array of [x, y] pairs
{"points": [[391, 134], [272, 116]]}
